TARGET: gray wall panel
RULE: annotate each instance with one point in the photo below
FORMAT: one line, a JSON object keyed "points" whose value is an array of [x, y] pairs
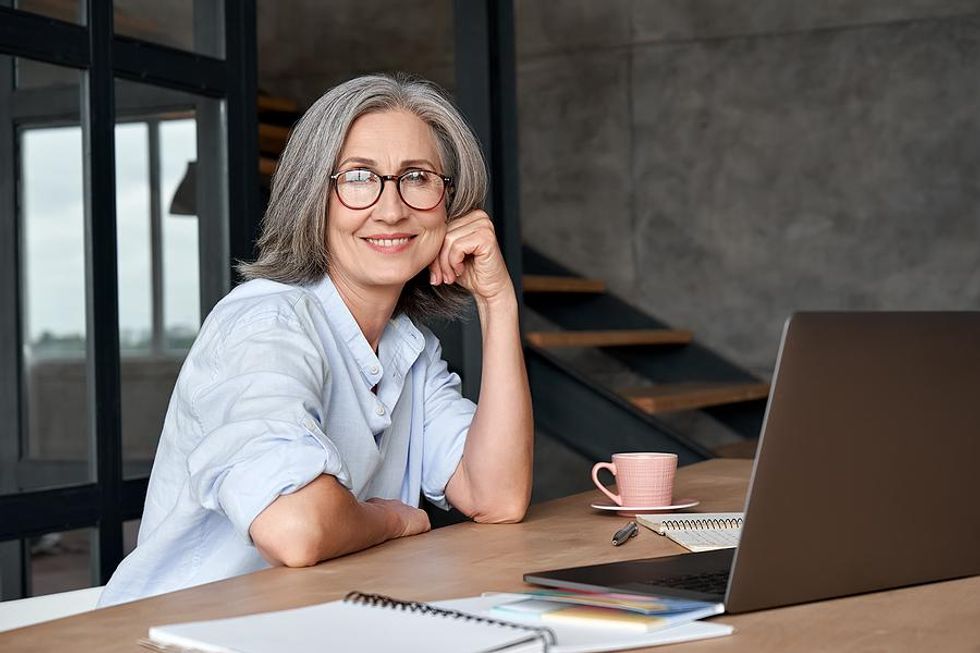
{"points": [[574, 129], [672, 20], [813, 170], [571, 25]]}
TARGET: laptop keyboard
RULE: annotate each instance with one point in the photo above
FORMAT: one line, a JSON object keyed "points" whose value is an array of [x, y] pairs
{"points": [[712, 582]]}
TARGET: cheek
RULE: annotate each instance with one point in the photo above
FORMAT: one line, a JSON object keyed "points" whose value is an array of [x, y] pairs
{"points": [[341, 222], [437, 236]]}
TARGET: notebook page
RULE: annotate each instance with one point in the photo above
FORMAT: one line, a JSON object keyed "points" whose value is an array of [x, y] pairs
{"points": [[691, 521], [580, 639], [706, 540], [341, 626]]}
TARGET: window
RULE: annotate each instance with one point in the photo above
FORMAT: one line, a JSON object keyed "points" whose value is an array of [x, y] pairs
{"points": [[108, 258]]}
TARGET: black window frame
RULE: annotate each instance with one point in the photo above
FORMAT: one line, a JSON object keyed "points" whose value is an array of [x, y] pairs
{"points": [[485, 78], [93, 48]]}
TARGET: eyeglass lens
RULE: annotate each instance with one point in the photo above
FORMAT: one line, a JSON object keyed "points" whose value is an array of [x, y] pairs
{"points": [[420, 189]]}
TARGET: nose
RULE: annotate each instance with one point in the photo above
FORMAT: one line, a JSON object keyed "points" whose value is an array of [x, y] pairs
{"points": [[390, 207]]}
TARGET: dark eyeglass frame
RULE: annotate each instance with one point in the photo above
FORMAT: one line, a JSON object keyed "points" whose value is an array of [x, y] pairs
{"points": [[447, 183]]}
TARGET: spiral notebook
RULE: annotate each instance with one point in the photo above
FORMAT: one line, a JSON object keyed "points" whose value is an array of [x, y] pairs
{"points": [[370, 623], [704, 531]]}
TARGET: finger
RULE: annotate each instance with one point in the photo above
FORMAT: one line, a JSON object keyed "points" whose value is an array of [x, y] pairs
{"points": [[462, 229], [470, 219], [476, 222], [449, 274], [434, 273], [479, 241], [442, 270], [472, 245], [459, 250], [424, 521]]}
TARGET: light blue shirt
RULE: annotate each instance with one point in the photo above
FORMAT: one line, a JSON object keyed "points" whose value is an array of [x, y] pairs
{"points": [[277, 390]]}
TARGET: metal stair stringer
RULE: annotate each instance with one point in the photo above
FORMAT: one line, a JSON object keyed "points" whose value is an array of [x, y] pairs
{"points": [[668, 364], [591, 420]]}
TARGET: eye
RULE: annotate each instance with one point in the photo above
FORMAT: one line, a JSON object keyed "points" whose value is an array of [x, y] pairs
{"points": [[417, 178], [357, 177]]}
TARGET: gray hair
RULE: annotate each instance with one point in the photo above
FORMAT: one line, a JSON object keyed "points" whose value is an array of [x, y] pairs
{"points": [[293, 246]]}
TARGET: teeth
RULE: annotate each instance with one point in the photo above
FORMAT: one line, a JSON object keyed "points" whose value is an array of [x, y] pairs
{"points": [[388, 242]]}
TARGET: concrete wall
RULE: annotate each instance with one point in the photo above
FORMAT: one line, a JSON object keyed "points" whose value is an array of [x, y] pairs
{"points": [[58, 419], [720, 163], [724, 163], [307, 46]]}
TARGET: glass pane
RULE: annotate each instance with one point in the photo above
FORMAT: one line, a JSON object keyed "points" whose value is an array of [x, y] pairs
{"points": [[181, 307], [158, 165], [70, 11], [61, 561], [194, 25], [36, 74], [133, 232], [49, 201], [131, 531]]}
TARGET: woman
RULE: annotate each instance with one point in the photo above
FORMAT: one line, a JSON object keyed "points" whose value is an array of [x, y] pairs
{"points": [[313, 409]]}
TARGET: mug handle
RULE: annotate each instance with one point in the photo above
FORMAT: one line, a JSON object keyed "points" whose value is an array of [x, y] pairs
{"points": [[618, 500]]}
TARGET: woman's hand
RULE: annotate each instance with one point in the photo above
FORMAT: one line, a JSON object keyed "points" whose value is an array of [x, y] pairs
{"points": [[492, 482], [406, 519], [471, 257]]}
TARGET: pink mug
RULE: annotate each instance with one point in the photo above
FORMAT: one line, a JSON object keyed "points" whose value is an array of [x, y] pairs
{"points": [[643, 479]]}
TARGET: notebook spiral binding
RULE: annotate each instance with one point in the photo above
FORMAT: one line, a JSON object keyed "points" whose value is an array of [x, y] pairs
{"points": [[545, 635], [688, 524]]}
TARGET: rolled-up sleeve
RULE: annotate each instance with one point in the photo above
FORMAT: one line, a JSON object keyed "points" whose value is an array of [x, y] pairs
{"points": [[447, 420], [260, 417]]}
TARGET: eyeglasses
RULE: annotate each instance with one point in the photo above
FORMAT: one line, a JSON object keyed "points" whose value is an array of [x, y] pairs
{"points": [[361, 188]]}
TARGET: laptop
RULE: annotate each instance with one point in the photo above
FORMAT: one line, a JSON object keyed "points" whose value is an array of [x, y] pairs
{"points": [[866, 477]]}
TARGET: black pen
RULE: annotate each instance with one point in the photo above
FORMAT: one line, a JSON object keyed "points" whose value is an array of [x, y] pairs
{"points": [[625, 533]]}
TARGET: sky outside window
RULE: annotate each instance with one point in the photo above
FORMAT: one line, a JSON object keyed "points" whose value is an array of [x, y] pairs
{"points": [[53, 236]]}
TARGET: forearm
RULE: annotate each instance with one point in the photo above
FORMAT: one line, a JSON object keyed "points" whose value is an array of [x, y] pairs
{"points": [[497, 457], [321, 521]]}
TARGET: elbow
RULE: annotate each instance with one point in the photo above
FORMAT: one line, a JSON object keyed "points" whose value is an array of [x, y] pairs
{"points": [[291, 544], [491, 502], [506, 513], [300, 529], [298, 554]]}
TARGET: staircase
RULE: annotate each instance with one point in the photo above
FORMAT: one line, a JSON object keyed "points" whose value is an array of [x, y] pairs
{"points": [[672, 372], [675, 373], [276, 117]]}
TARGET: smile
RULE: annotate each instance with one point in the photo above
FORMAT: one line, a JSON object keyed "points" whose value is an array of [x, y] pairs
{"points": [[389, 244]]}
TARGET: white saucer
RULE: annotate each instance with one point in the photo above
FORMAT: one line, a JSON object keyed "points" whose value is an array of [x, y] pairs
{"points": [[677, 505]]}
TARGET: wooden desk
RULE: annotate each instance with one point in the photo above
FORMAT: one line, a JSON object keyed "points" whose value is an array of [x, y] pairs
{"points": [[466, 559]]}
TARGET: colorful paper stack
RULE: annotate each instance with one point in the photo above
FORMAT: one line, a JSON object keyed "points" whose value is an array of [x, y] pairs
{"points": [[606, 610]]}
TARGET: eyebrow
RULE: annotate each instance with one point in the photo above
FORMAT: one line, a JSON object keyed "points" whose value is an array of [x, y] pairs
{"points": [[410, 163]]}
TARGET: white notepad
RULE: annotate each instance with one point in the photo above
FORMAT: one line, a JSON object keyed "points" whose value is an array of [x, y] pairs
{"points": [[704, 531], [584, 639], [457, 626]]}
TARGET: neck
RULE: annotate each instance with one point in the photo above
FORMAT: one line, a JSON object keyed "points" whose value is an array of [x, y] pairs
{"points": [[371, 307]]}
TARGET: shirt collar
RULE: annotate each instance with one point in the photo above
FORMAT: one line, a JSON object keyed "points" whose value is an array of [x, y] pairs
{"points": [[400, 344]]}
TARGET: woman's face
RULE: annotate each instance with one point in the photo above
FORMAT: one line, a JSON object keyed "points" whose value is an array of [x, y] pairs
{"points": [[389, 242]]}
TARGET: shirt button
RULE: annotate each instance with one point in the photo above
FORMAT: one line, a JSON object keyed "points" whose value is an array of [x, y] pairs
{"points": [[379, 409], [374, 369]]}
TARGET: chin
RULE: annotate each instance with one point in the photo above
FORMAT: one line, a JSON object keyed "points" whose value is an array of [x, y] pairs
{"points": [[391, 278]]}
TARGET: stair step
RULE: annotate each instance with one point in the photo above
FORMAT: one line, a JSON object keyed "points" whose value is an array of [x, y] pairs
{"points": [[272, 138], [614, 338], [739, 449], [543, 283], [671, 397], [267, 166], [281, 104]]}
